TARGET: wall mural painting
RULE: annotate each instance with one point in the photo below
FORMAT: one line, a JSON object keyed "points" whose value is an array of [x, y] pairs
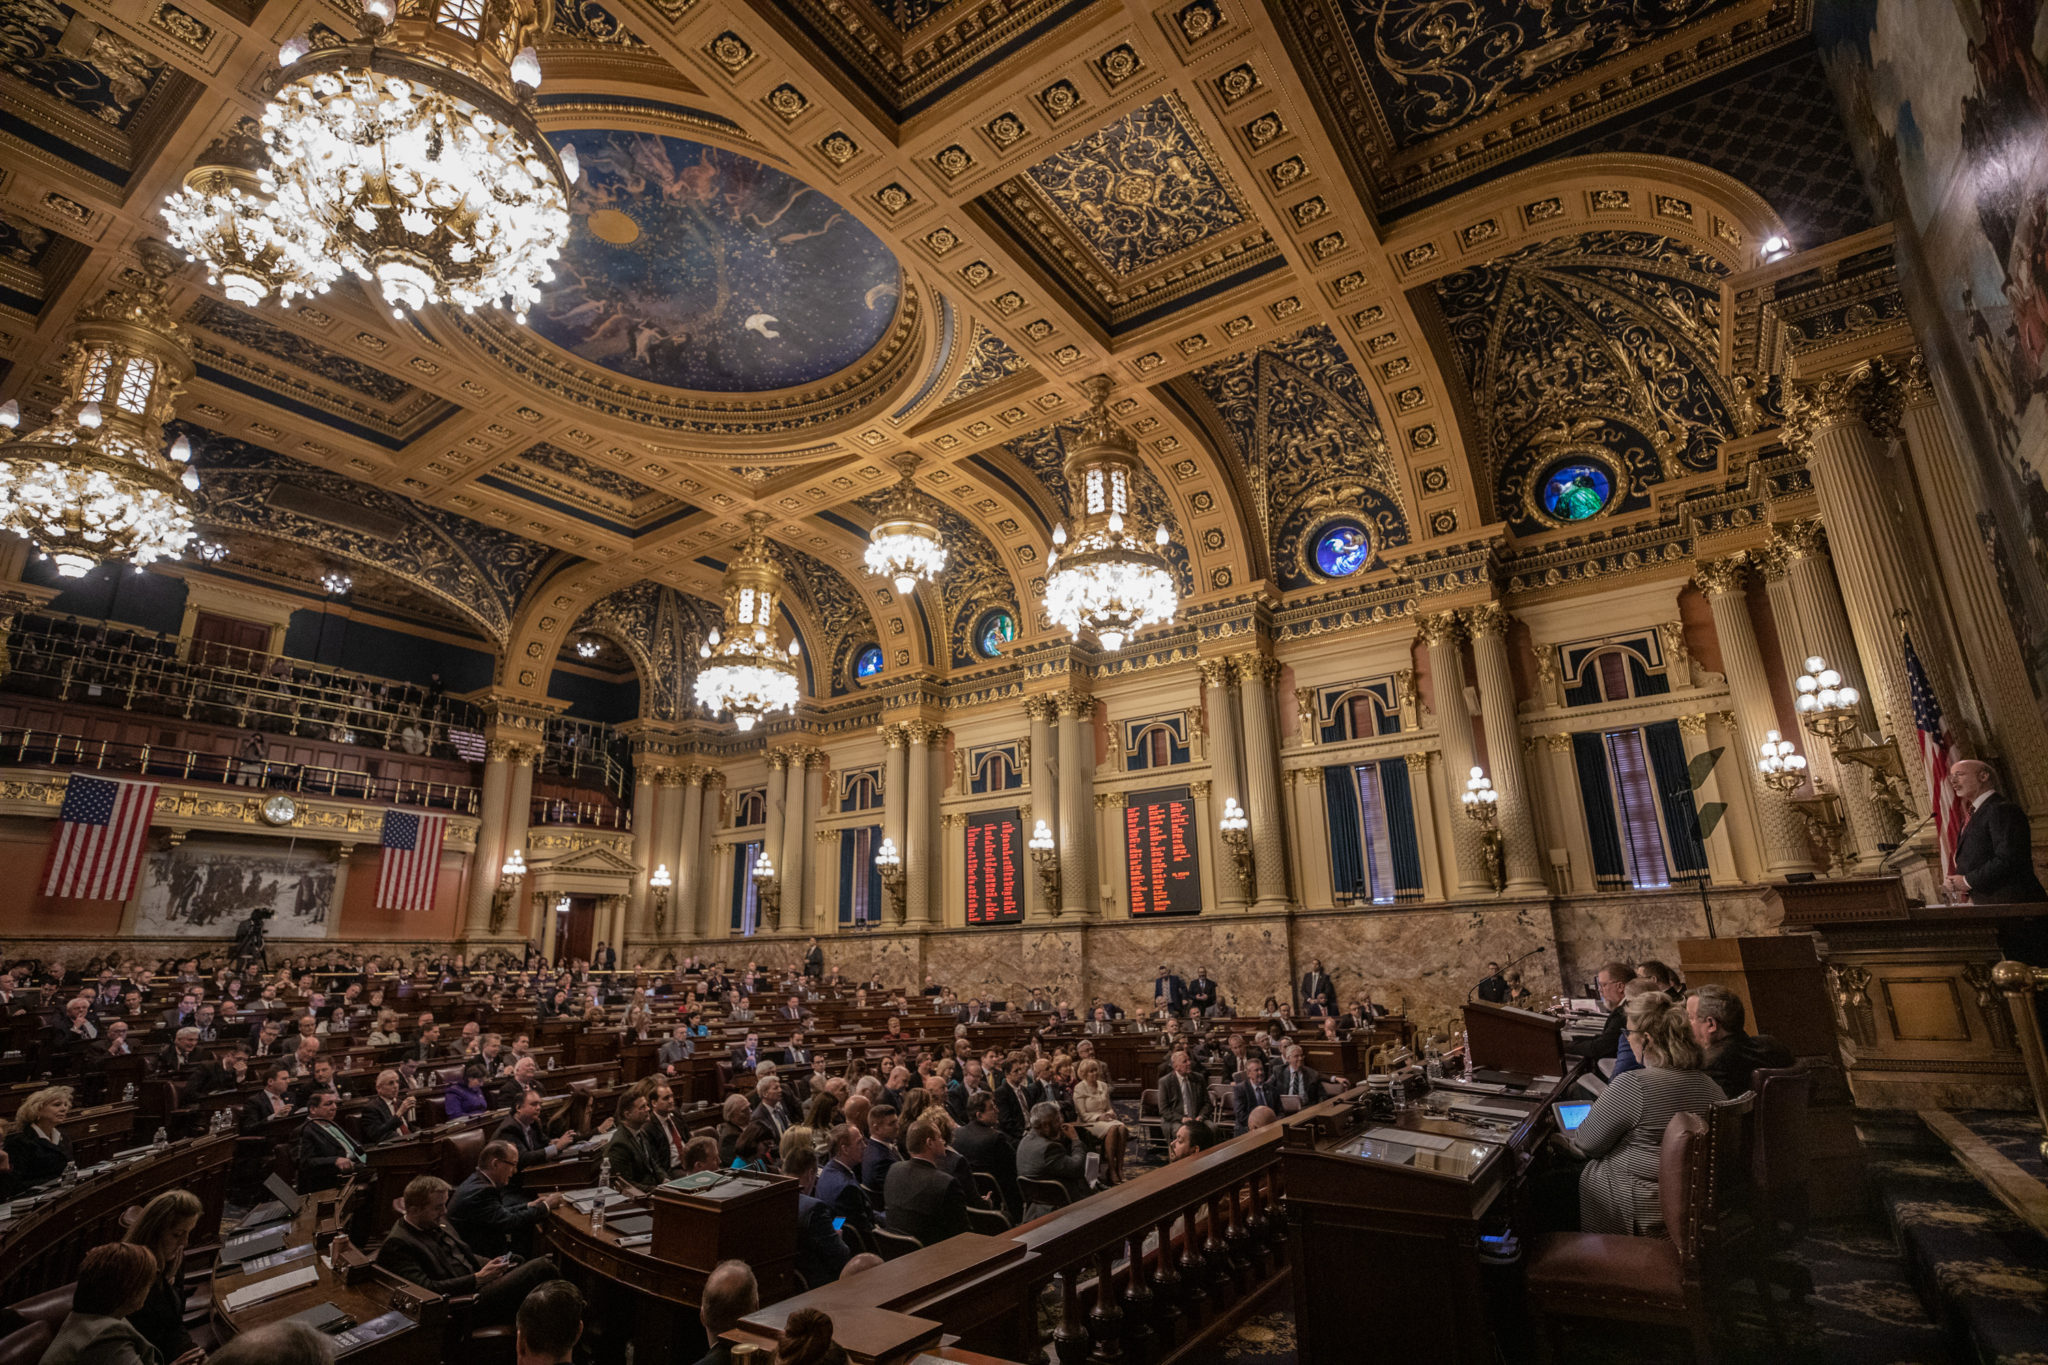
{"points": [[1947, 106], [210, 888], [699, 268]]}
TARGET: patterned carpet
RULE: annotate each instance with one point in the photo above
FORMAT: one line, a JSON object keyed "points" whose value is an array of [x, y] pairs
{"points": [[1984, 1267]]}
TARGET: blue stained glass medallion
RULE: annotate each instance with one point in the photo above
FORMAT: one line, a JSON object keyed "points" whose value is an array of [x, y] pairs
{"points": [[998, 628], [1576, 490], [1342, 549], [868, 662]]}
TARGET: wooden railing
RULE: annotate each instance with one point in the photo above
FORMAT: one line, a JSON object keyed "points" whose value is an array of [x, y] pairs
{"points": [[1156, 1269]]}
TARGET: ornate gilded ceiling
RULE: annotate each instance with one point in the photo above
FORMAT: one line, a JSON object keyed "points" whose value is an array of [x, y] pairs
{"points": [[1351, 265]]}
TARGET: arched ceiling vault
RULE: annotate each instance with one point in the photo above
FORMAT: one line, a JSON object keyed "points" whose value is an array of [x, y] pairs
{"points": [[1173, 194]]}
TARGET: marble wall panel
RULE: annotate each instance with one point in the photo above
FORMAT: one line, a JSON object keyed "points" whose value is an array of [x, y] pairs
{"points": [[1004, 964], [1630, 928], [1246, 955], [1426, 960]]}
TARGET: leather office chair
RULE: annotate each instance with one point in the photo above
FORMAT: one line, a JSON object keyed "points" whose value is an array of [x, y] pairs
{"points": [[889, 1245], [463, 1151], [988, 1222], [991, 1192], [1049, 1193], [1151, 1123], [1779, 1158], [1654, 1280], [51, 1306], [25, 1346]]}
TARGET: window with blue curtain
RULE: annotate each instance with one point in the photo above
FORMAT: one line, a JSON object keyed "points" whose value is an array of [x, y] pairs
{"points": [[1374, 856], [1590, 757], [746, 902], [1674, 791], [860, 881]]}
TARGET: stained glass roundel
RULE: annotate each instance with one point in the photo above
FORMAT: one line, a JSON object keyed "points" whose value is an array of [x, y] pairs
{"points": [[868, 662], [1576, 490], [998, 628], [1342, 549]]}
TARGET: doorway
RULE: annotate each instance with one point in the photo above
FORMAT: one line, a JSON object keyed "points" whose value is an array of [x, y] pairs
{"points": [[575, 928]]}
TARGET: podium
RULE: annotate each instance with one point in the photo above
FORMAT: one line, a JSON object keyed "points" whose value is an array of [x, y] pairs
{"points": [[1504, 1038], [743, 1215]]}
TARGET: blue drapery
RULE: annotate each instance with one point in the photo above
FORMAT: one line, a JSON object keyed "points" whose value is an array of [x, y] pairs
{"points": [[1347, 859], [846, 876], [1674, 793], [1591, 756], [849, 849], [1401, 828], [743, 884]]}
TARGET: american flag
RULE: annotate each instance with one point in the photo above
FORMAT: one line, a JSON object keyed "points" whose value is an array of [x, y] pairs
{"points": [[101, 833], [1937, 755], [412, 860]]}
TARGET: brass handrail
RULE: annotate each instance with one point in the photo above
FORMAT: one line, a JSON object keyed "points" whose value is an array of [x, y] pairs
{"points": [[2019, 982]]}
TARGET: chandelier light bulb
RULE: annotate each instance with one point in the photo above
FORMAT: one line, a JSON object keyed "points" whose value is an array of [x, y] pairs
{"points": [[1847, 696], [793, 650], [1059, 534], [526, 68], [190, 478], [1112, 640], [293, 49], [89, 416], [1814, 663], [380, 10], [905, 584], [1161, 536], [714, 637], [181, 450], [572, 165], [1830, 678], [660, 880], [10, 414], [1041, 838]]}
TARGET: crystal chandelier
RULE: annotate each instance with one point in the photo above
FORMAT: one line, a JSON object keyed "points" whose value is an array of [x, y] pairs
{"points": [[409, 157], [745, 671], [904, 545], [95, 483], [1106, 577]]}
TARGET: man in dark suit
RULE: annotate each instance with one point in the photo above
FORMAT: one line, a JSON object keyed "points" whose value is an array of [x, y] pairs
{"points": [[627, 1151], [1717, 1017], [424, 1250], [273, 1101], [391, 1114], [988, 1149], [745, 1055], [491, 1219], [839, 1182], [880, 1153], [1613, 982], [1298, 1078], [923, 1201], [1044, 1155], [605, 959], [1318, 991], [768, 1110], [1248, 1094], [227, 1071], [327, 1156], [666, 1139], [1201, 992], [1183, 1095], [814, 960], [1015, 1096], [1169, 992], [181, 1054], [523, 1130], [320, 1082], [1994, 862], [1493, 988], [796, 1054]]}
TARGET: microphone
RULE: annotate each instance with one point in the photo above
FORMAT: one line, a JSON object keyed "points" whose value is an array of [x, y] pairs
{"points": [[1503, 971], [1885, 861]]}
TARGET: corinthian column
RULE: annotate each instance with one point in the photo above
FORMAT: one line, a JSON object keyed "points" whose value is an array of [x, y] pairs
{"points": [[638, 920], [1443, 632], [1989, 652], [1838, 424], [1256, 675], [490, 839], [1221, 709], [1786, 850], [1044, 792], [518, 810], [688, 866], [814, 868], [917, 845], [1504, 748], [1077, 805], [714, 919], [791, 858], [1807, 607], [771, 833]]}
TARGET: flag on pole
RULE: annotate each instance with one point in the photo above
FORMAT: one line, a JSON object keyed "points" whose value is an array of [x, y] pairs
{"points": [[102, 831], [1937, 756], [412, 860]]}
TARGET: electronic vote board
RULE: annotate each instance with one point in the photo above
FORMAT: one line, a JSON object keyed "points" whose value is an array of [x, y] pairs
{"points": [[1159, 845]]}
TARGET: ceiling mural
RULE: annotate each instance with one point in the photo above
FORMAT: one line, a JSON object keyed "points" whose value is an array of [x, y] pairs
{"points": [[479, 569], [659, 629], [1044, 453], [1117, 215], [590, 22], [698, 268], [989, 360], [1303, 428], [1600, 350]]}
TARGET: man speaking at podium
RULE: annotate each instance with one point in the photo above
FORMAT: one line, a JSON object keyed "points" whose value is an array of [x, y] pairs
{"points": [[1994, 862]]}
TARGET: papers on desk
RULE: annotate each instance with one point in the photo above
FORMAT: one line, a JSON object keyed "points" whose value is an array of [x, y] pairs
{"points": [[638, 1239], [1402, 1135], [284, 1282], [1469, 1087], [1093, 1168], [1496, 1111], [276, 1259]]}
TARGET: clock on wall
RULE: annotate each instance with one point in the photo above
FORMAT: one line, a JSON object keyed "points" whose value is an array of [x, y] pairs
{"points": [[280, 809]]}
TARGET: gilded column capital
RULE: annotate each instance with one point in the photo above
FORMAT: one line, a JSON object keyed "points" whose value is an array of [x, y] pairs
{"points": [[1488, 618], [1441, 628], [524, 753], [1076, 704], [1802, 539], [1560, 743], [1718, 577], [1106, 800], [696, 774], [714, 777], [1312, 776], [894, 736], [1692, 725], [498, 750], [925, 732], [1041, 707], [1417, 763], [1200, 790], [1771, 561], [778, 760], [1916, 384], [1256, 668], [1869, 392], [953, 820], [666, 776], [1215, 672]]}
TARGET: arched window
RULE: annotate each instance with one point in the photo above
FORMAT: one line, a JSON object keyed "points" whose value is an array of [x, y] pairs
{"points": [[1577, 490], [1342, 548], [862, 793], [750, 808], [995, 772]]}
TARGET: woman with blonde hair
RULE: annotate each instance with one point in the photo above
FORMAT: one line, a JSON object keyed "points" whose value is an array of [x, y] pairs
{"points": [[1622, 1135], [164, 1227], [38, 1149], [1096, 1115]]}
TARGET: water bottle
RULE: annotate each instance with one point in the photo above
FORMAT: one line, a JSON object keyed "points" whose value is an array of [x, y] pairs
{"points": [[597, 1214], [161, 1140], [551, 1063], [128, 1093], [70, 1176]]}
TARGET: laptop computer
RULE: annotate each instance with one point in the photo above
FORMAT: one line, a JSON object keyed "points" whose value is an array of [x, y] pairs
{"points": [[283, 1203]]}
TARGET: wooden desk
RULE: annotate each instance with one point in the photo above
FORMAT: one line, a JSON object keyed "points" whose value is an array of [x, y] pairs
{"points": [[374, 1293], [42, 1247], [1387, 1253]]}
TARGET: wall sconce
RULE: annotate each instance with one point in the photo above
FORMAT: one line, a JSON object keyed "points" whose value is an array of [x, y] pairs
{"points": [[889, 863], [1235, 831], [1782, 767], [660, 882], [1829, 709], [1046, 854], [509, 876], [769, 890], [1482, 804]]}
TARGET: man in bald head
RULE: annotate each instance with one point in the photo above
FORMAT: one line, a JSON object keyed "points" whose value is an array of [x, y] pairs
{"points": [[1994, 861]]}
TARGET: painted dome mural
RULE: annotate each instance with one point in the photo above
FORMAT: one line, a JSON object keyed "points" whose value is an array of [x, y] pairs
{"points": [[699, 268]]}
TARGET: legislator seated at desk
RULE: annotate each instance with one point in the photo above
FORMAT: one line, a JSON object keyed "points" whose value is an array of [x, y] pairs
{"points": [[38, 1149], [422, 1248], [327, 1155], [628, 1152], [923, 1201], [467, 1096], [821, 1253], [491, 1218], [523, 1130], [1613, 983], [838, 1184], [392, 1114]]}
